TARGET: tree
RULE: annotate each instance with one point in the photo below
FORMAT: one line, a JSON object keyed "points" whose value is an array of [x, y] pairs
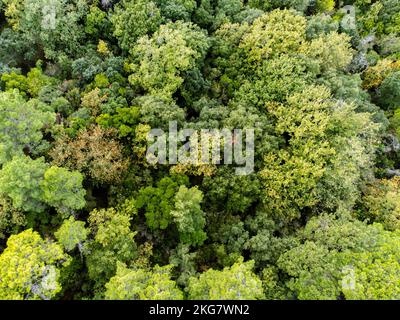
{"points": [[388, 92], [31, 84], [325, 5], [162, 60], [113, 241], [229, 192], [20, 180], [184, 263], [71, 234], [177, 9], [124, 120], [211, 15], [320, 24], [299, 5], [17, 49], [354, 136], [55, 29], [93, 101], [228, 236], [349, 88], [83, 83], [315, 272], [158, 112], [133, 19], [306, 161], [188, 215], [341, 232], [96, 23], [262, 241], [142, 284], [21, 125], [381, 203], [93, 152], [235, 283], [30, 267], [320, 139], [332, 51], [274, 33], [31, 185], [63, 190], [342, 257], [11, 219], [374, 275], [274, 80], [374, 75], [158, 202], [389, 16]]}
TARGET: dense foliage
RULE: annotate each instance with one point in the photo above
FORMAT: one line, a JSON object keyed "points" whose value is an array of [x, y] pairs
{"points": [[85, 215]]}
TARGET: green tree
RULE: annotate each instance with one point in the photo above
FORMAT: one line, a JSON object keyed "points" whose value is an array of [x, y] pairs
{"points": [[142, 284], [230, 231], [31, 184], [332, 51], [229, 192], [325, 5], [63, 190], [96, 21], [373, 275], [188, 215], [71, 234], [31, 84], [21, 125], [113, 241], [262, 242], [315, 272], [274, 33], [381, 203], [134, 18], [320, 136], [235, 283], [177, 9], [389, 16], [184, 263], [320, 24], [11, 219], [20, 180], [299, 5], [30, 267], [306, 161], [341, 257], [163, 59], [158, 202], [124, 120], [341, 232], [53, 29], [374, 75], [158, 111], [388, 92]]}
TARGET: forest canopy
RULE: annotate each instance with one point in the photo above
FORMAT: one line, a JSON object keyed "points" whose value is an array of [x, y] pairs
{"points": [[311, 212]]}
